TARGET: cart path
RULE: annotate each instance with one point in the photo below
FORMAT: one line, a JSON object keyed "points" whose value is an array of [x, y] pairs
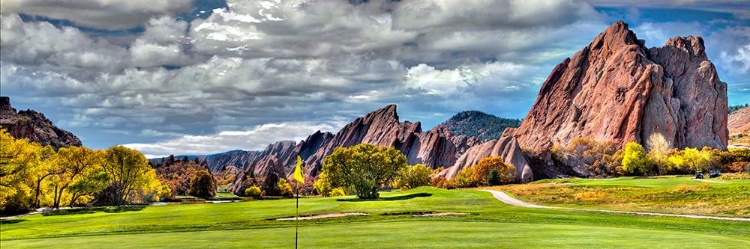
{"points": [[515, 202]]}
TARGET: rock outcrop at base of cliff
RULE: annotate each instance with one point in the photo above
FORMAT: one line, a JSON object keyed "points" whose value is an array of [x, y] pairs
{"points": [[505, 147], [34, 126], [617, 90]]}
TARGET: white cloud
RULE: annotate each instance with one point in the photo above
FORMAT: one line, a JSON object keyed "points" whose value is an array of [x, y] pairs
{"points": [[739, 61], [254, 138]]}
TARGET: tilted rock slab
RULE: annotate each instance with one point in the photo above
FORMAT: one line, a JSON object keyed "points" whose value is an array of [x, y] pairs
{"points": [[616, 89]]}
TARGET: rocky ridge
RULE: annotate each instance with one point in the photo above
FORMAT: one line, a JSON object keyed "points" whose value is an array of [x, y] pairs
{"points": [[34, 126], [615, 89], [739, 121]]}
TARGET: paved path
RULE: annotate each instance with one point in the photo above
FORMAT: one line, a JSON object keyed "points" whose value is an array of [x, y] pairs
{"points": [[515, 202]]}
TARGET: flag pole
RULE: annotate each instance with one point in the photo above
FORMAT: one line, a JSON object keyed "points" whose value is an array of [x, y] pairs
{"points": [[296, 217], [297, 178]]}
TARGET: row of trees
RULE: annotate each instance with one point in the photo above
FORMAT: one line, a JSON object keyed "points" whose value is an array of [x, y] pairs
{"points": [[32, 176], [659, 158]]}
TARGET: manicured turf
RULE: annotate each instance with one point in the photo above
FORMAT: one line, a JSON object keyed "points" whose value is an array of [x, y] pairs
{"points": [[670, 194], [390, 224]]}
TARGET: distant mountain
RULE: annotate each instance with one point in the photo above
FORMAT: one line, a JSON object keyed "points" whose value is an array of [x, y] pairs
{"points": [[34, 126], [478, 124]]}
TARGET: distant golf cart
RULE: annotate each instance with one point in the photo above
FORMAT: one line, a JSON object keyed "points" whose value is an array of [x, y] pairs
{"points": [[713, 173], [699, 175]]}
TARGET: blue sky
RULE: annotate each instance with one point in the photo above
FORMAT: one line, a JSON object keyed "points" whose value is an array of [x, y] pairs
{"points": [[197, 77]]}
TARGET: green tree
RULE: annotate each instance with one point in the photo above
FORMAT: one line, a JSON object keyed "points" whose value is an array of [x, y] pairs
{"points": [[494, 178], [413, 176], [635, 161], [202, 185], [365, 167]]}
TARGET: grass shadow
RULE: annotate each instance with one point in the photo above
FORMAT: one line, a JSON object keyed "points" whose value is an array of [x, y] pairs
{"points": [[92, 210], [12, 221], [390, 198]]}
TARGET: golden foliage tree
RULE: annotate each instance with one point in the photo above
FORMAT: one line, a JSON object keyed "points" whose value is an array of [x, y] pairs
{"points": [[481, 171]]}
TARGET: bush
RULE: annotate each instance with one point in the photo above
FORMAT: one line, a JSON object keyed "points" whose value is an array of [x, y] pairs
{"points": [[323, 186], [202, 185], [413, 176], [634, 161], [338, 192], [462, 179], [253, 191], [285, 188]]}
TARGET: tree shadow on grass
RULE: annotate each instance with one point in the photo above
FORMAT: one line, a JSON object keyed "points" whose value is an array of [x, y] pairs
{"points": [[92, 210], [12, 221], [391, 198]]}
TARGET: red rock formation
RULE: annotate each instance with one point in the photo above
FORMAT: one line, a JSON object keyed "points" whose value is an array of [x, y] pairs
{"points": [[506, 147], [34, 126], [433, 148], [615, 89], [739, 121]]}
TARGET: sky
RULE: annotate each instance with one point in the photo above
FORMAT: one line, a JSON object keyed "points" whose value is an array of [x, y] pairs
{"points": [[207, 76]]}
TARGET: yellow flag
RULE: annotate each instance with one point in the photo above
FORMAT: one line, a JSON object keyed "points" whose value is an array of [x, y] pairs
{"points": [[298, 171]]}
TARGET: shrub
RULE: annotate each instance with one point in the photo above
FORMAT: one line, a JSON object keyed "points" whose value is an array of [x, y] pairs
{"points": [[323, 186], [439, 181], [413, 176], [462, 179], [338, 192], [253, 191], [285, 188]]}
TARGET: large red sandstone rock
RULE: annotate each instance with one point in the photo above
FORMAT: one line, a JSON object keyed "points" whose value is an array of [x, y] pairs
{"points": [[615, 89]]}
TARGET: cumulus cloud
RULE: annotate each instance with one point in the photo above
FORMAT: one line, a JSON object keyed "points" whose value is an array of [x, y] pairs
{"points": [[180, 82], [100, 14]]}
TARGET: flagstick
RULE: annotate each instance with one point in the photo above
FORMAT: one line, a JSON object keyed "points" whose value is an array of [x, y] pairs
{"points": [[296, 218]]}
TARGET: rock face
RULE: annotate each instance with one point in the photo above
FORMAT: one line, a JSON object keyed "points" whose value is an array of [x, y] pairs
{"points": [[505, 147], [34, 126], [436, 147], [615, 89], [739, 121]]}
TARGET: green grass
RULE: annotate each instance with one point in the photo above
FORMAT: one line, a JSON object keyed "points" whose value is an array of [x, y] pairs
{"points": [[490, 223], [669, 194]]}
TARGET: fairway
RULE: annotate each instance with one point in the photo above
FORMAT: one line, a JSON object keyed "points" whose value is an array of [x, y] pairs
{"points": [[391, 223]]}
